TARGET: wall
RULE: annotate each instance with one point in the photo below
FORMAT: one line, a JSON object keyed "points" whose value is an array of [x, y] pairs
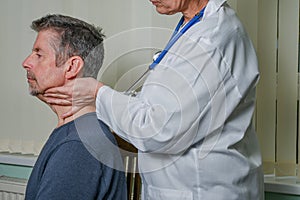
{"points": [[23, 116], [15, 171], [275, 196], [125, 23]]}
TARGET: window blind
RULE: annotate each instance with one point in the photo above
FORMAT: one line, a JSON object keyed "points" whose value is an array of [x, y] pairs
{"points": [[277, 102]]}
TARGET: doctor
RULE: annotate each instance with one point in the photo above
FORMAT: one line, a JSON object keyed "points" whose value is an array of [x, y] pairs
{"points": [[192, 120]]}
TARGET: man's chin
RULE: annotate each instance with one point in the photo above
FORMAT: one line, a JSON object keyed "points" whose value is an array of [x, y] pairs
{"points": [[35, 93]]}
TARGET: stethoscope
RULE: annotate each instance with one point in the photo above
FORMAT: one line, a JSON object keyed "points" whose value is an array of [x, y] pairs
{"points": [[158, 56]]}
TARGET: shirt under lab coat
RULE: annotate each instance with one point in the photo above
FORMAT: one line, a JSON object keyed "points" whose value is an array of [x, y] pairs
{"points": [[192, 119]]}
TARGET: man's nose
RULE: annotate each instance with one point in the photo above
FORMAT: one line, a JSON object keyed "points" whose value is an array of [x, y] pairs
{"points": [[26, 63]]}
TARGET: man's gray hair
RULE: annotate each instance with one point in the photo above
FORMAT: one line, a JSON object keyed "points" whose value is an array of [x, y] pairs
{"points": [[75, 38]]}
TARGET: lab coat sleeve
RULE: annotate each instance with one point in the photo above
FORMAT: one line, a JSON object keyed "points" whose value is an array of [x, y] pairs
{"points": [[183, 101], [165, 117]]}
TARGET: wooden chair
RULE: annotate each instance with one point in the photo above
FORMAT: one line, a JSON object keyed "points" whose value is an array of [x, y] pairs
{"points": [[129, 155]]}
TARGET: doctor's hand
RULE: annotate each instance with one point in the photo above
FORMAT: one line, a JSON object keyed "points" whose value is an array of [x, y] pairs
{"points": [[78, 94]]}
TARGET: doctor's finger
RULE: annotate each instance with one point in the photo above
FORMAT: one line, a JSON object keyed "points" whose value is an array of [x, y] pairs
{"points": [[58, 96], [67, 90], [56, 101]]}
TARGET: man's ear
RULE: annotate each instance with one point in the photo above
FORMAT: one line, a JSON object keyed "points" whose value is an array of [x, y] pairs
{"points": [[74, 67]]}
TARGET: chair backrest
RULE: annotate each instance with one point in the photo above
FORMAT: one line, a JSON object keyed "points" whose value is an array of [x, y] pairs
{"points": [[130, 159]]}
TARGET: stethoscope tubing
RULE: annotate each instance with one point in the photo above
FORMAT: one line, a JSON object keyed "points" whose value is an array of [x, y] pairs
{"points": [[176, 35]]}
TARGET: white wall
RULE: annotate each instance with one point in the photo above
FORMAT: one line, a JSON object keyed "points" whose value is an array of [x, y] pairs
{"points": [[25, 121]]}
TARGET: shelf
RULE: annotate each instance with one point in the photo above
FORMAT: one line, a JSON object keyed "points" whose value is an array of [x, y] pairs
{"points": [[284, 185], [17, 159]]}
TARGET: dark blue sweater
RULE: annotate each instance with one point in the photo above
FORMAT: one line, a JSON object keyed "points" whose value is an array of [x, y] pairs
{"points": [[73, 164]]}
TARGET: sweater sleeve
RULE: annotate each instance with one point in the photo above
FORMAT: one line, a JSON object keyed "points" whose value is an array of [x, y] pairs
{"points": [[71, 173]]}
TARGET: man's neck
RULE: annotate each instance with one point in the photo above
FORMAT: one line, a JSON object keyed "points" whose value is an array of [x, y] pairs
{"points": [[60, 110]]}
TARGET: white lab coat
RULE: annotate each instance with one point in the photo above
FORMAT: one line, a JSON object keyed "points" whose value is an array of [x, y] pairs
{"points": [[192, 120]]}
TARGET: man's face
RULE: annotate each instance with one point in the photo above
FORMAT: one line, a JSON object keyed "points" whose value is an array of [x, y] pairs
{"points": [[42, 72]]}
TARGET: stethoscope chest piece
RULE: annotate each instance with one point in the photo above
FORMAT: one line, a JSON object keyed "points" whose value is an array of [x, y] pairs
{"points": [[156, 55]]}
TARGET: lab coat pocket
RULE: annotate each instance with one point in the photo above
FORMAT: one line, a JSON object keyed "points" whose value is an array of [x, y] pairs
{"points": [[155, 193]]}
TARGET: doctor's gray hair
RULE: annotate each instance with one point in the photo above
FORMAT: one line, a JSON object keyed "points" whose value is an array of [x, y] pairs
{"points": [[74, 38]]}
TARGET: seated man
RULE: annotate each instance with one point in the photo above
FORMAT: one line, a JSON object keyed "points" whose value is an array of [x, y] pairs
{"points": [[71, 165]]}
